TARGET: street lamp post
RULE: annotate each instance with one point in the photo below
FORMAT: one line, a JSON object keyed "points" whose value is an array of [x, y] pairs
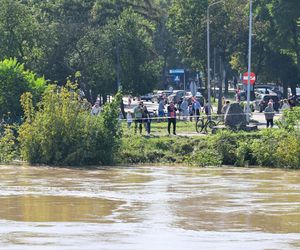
{"points": [[249, 62], [208, 56]]}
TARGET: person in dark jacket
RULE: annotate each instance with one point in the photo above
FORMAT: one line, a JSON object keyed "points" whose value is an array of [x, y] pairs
{"points": [[172, 117], [147, 120]]}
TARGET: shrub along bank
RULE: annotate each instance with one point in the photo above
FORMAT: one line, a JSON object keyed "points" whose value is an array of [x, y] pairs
{"points": [[61, 131], [269, 147]]}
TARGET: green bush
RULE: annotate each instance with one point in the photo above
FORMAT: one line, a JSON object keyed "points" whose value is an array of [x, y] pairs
{"points": [[8, 147], [14, 81], [204, 158], [226, 143], [269, 147], [244, 154], [264, 149], [290, 119], [288, 151], [62, 132]]}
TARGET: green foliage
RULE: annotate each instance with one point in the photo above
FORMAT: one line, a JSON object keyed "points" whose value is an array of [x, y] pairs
{"points": [[268, 148], [291, 118], [204, 158], [62, 132], [21, 35], [244, 155], [288, 151], [8, 147], [14, 81], [226, 144]]}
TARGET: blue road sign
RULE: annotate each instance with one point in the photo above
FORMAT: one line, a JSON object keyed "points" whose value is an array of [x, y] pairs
{"points": [[176, 71]]}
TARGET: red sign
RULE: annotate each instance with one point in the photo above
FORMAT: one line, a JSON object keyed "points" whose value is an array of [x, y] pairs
{"points": [[252, 78]]}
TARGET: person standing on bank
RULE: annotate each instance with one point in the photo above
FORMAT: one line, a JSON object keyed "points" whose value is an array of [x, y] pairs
{"points": [[172, 117], [197, 108], [147, 120], [138, 117], [184, 109], [161, 108], [269, 114], [129, 119]]}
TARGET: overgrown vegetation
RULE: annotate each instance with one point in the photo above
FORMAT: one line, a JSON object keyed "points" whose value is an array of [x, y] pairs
{"points": [[8, 145], [61, 131], [270, 148]]}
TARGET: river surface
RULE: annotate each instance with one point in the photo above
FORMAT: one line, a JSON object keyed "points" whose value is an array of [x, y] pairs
{"points": [[133, 208]]}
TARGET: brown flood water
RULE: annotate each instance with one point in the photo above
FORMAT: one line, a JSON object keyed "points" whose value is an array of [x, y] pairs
{"points": [[149, 208]]}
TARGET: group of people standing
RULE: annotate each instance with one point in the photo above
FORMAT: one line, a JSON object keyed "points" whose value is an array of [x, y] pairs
{"points": [[141, 116]]}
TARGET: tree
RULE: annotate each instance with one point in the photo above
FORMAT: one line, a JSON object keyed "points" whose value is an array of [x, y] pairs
{"points": [[20, 33], [14, 81], [61, 131]]}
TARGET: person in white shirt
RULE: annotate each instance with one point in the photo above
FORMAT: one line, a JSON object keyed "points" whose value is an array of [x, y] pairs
{"points": [[129, 119], [285, 105], [96, 109]]}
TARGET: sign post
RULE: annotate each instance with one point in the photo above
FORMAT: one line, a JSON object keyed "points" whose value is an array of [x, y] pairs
{"points": [[249, 62], [178, 72]]}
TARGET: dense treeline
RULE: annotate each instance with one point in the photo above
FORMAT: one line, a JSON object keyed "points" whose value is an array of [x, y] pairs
{"points": [[134, 42]]}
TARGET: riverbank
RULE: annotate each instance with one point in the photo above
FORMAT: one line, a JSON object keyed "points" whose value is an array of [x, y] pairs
{"points": [[54, 137], [269, 147]]}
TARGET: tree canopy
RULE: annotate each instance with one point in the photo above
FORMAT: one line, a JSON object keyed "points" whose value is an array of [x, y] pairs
{"points": [[136, 42]]}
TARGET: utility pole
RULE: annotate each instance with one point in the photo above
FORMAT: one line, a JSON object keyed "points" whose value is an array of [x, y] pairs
{"points": [[208, 55], [249, 62], [215, 74], [118, 66]]}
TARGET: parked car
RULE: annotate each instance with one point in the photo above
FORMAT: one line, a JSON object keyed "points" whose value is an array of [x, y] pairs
{"points": [[264, 91], [262, 102], [147, 97], [176, 96], [161, 94]]}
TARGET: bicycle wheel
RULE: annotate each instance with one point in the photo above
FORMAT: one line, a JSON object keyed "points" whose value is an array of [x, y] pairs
{"points": [[209, 125], [199, 125]]}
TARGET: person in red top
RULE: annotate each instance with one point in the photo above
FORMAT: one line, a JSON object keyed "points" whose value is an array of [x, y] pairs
{"points": [[172, 117]]}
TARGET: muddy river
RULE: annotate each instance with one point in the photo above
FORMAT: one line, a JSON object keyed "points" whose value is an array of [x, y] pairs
{"points": [[132, 208]]}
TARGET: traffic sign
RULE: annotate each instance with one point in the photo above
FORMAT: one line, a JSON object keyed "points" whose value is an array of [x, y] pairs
{"points": [[176, 71], [252, 78]]}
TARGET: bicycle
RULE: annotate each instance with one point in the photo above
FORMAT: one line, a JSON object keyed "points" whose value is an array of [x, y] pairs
{"points": [[204, 125]]}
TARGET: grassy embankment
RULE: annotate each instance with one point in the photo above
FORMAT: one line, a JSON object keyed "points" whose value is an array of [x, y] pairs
{"points": [[268, 147]]}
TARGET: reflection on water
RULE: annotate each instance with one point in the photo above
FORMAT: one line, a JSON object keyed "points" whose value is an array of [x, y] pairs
{"points": [[149, 208], [56, 208]]}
